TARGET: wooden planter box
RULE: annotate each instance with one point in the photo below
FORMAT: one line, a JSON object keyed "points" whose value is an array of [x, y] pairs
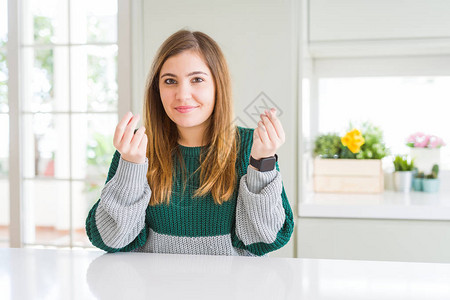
{"points": [[348, 176]]}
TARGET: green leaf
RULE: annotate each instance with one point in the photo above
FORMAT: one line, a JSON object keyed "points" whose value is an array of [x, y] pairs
{"points": [[402, 163], [327, 146]]}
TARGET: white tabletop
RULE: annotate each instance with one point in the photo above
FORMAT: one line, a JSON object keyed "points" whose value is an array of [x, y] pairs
{"points": [[79, 274]]}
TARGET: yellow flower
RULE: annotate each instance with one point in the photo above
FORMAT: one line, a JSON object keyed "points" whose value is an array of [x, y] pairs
{"points": [[353, 140]]}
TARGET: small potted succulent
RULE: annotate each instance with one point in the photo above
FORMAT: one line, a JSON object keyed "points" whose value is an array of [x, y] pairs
{"points": [[431, 181], [403, 174], [417, 183]]}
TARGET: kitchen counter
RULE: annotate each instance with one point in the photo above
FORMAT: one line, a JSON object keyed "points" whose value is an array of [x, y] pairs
{"points": [[387, 205]]}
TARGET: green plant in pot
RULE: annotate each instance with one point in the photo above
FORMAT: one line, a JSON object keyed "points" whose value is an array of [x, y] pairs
{"points": [[417, 183], [365, 144], [431, 181], [373, 147], [355, 154], [404, 169], [327, 146]]}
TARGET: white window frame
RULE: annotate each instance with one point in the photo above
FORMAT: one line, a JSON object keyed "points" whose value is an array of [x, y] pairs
{"points": [[124, 78]]}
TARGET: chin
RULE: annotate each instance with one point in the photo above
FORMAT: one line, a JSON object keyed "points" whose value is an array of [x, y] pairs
{"points": [[187, 124]]}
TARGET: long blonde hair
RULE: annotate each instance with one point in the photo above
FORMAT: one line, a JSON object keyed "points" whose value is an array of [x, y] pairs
{"points": [[217, 168]]}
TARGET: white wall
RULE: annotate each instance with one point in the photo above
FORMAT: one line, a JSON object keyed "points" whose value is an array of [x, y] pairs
{"points": [[259, 40]]}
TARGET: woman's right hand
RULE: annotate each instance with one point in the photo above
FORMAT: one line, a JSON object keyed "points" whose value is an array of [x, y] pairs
{"points": [[131, 146]]}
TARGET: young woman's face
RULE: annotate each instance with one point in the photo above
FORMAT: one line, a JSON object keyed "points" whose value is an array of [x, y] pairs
{"points": [[187, 89]]}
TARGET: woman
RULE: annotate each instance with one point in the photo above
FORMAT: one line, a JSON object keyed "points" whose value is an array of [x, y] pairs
{"points": [[188, 182]]}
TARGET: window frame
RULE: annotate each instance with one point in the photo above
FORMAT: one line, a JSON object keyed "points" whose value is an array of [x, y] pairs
{"points": [[14, 61]]}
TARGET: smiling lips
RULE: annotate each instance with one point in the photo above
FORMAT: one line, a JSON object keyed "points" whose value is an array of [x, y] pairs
{"points": [[185, 109]]}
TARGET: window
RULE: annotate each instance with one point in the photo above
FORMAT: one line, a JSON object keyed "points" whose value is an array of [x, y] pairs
{"points": [[4, 125], [400, 106], [69, 102]]}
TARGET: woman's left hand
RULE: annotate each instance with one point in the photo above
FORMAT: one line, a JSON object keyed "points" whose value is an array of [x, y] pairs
{"points": [[268, 136]]}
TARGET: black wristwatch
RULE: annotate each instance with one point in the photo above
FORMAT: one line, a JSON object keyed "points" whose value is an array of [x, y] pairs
{"points": [[264, 164]]}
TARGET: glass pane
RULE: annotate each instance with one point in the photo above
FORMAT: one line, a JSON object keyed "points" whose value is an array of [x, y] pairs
{"points": [[3, 20], [4, 146], [92, 145], [3, 78], [46, 212], [46, 71], [94, 78], [4, 181], [3, 65], [93, 21], [400, 106], [4, 133], [84, 196], [46, 145], [45, 21]]}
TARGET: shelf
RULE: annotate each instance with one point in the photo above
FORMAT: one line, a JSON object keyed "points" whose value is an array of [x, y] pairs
{"points": [[387, 205]]}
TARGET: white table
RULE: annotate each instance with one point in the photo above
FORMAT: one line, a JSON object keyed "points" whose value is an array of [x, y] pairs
{"points": [[79, 274]]}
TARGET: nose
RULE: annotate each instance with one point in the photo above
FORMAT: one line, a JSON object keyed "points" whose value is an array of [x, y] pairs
{"points": [[183, 91]]}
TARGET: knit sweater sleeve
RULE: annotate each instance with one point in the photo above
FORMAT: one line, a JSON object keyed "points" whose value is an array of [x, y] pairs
{"points": [[264, 219], [116, 223]]}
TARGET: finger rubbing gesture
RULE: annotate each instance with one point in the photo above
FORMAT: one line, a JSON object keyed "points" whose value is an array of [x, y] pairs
{"points": [[268, 136], [131, 146]]}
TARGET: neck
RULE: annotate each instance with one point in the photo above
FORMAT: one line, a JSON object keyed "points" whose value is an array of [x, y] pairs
{"points": [[192, 136]]}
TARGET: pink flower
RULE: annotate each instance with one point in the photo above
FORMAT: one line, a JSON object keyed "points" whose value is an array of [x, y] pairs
{"points": [[411, 139], [433, 142], [422, 140], [436, 142]]}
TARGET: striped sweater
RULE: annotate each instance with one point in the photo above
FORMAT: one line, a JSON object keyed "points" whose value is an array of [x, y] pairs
{"points": [[255, 221]]}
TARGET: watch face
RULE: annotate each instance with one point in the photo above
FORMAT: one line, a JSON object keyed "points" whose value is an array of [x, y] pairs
{"points": [[267, 164]]}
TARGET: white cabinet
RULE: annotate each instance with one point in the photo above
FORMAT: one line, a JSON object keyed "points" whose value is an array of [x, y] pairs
{"points": [[364, 20], [369, 239], [358, 28]]}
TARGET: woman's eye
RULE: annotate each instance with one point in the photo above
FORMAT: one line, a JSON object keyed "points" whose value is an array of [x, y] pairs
{"points": [[201, 79], [169, 81]]}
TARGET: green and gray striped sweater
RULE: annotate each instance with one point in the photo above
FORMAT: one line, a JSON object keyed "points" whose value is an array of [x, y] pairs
{"points": [[255, 221]]}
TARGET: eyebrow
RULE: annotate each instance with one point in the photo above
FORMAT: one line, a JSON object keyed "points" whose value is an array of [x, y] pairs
{"points": [[190, 74]]}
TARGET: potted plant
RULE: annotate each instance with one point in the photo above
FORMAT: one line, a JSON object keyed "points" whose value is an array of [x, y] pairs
{"points": [[327, 146], [417, 183], [403, 173], [356, 167], [374, 146], [431, 181], [425, 149]]}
